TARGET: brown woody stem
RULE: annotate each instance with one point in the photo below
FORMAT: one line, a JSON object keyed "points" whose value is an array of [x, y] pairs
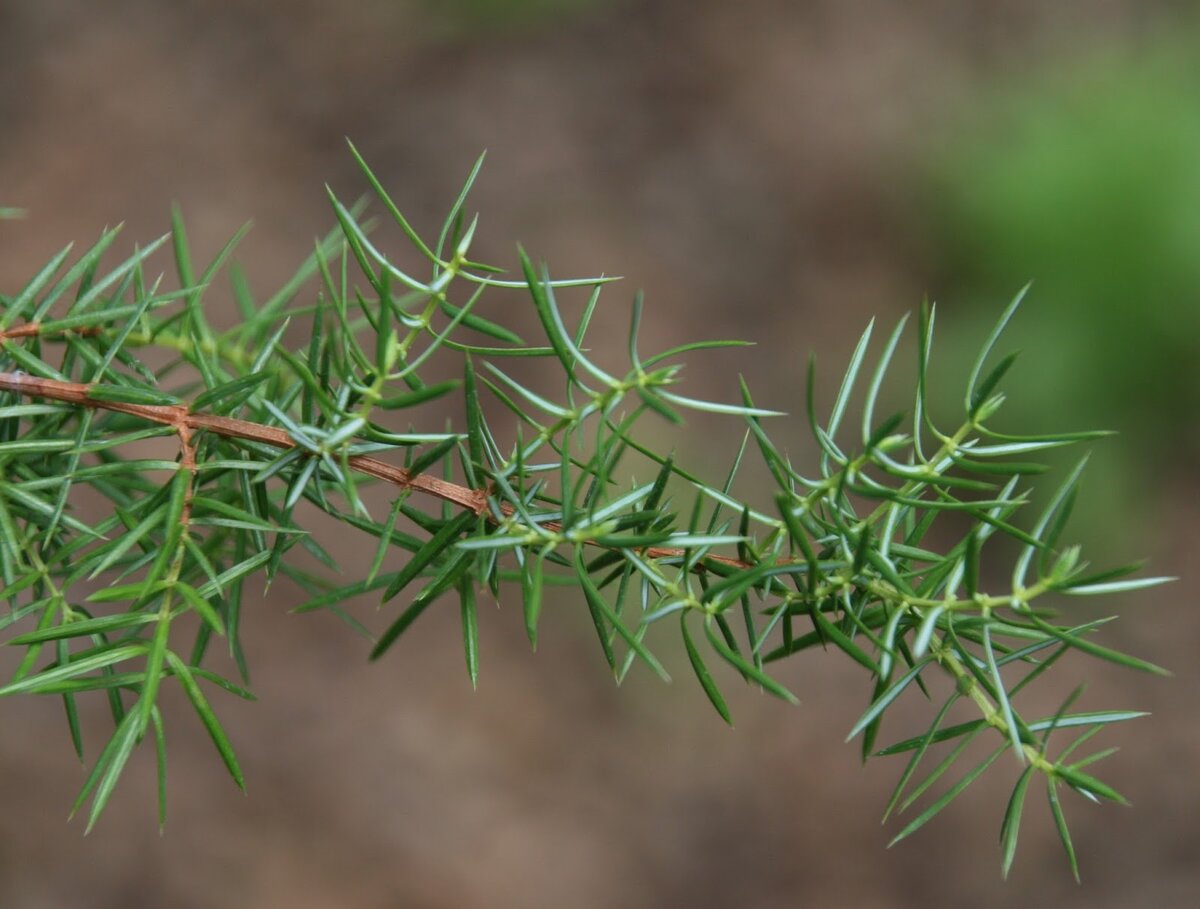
{"points": [[185, 423]]}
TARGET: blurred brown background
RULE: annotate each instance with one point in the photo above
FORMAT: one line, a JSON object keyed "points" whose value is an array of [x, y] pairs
{"points": [[774, 170]]}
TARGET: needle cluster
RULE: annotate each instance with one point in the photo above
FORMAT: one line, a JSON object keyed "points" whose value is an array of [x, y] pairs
{"points": [[883, 552]]}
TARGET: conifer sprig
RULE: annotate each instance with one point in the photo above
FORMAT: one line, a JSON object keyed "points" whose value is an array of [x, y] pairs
{"points": [[880, 554]]}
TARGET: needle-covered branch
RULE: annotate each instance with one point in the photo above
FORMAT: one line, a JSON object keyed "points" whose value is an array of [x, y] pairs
{"points": [[884, 553]]}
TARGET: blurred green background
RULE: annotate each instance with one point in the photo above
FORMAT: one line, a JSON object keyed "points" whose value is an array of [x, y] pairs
{"points": [[773, 170], [1081, 172]]}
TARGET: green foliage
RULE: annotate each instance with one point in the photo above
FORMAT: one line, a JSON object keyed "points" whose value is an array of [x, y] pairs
{"points": [[1081, 171], [888, 553]]}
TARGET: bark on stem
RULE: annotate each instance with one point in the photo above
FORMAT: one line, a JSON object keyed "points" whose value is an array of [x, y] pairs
{"points": [[186, 422]]}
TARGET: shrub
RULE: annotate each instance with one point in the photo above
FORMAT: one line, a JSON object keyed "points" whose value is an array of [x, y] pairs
{"points": [[879, 554]]}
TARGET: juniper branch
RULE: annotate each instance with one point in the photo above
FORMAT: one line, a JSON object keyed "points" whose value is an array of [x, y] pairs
{"points": [[261, 428]]}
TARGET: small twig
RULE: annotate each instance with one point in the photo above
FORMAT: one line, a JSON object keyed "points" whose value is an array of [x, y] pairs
{"points": [[35, 329], [185, 422]]}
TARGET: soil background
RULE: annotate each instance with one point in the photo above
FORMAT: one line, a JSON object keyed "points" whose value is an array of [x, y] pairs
{"points": [[745, 164]]}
